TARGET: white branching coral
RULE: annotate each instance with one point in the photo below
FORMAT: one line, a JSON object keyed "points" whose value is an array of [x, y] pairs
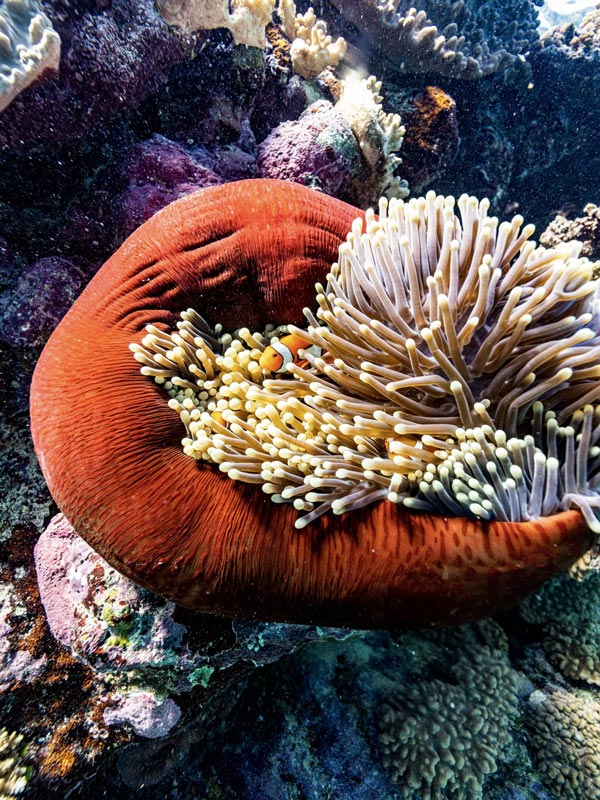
{"points": [[29, 47], [13, 775], [246, 19], [458, 373], [312, 49], [379, 135]]}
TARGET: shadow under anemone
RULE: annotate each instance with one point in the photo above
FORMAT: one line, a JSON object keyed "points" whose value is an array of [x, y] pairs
{"points": [[247, 254]]}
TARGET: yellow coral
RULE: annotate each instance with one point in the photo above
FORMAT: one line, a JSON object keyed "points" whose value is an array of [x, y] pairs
{"points": [[246, 20]]}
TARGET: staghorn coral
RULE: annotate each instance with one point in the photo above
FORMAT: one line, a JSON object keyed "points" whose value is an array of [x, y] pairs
{"points": [[468, 422], [459, 39], [29, 47], [566, 732], [246, 19], [440, 740], [13, 775]]}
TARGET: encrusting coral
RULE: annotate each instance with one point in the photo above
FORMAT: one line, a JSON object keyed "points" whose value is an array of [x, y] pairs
{"points": [[248, 253], [348, 149], [458, 364], [29, 47], [569, 611]]}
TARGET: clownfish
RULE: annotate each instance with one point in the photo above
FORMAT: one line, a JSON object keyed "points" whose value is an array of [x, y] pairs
{"points": [[284, 351]]}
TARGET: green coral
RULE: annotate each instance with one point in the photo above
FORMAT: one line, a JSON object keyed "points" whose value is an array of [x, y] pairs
{"points": [[569, 610], [441, 739], [566, 734]]}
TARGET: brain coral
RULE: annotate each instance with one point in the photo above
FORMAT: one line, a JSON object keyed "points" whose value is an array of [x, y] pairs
{"points": [[248, 253]]}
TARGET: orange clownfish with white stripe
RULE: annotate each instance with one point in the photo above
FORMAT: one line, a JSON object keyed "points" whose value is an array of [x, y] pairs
{"points": [[284, 351]]}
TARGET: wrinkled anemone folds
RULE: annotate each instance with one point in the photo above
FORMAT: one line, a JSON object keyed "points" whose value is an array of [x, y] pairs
{"points": [[434, 464]]}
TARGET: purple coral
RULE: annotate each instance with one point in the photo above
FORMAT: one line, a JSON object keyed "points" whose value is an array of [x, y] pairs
{"points": [[159, 172], [318, 150], [113, 56]]}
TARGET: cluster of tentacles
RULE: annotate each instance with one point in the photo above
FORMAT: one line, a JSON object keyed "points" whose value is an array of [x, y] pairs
{"points": [[458, 375]]}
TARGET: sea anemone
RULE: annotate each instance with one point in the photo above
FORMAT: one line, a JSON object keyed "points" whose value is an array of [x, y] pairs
{"points": [[457, 375], [443, 338]]}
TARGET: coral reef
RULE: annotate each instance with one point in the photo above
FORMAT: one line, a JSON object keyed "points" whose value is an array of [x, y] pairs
{"points": [[585, 229], [466, 40], [116, 55], [111, 688], [246, 19], [30, 47], [566, 733], [347, 150], [160, 171], [570, 613], [443, 739]]}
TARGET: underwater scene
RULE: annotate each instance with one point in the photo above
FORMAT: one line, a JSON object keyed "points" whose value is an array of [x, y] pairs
{"points": [[300, 399]]}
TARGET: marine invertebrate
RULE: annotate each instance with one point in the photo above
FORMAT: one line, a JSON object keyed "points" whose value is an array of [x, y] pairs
{"points": [[246, 19], [312, 48], [431, 140], [13, 775], [442, 340], [566, 732], [585, 229], [569, 611], [348, 149], [157, 516], [443, 740], [30, 47], [466, 40]]}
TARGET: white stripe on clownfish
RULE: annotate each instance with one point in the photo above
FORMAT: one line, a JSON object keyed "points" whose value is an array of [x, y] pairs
{"points": [[277, 355]]}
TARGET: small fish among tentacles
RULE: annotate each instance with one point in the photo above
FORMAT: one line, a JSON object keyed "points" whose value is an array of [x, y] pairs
{"points": [[286, 350]]}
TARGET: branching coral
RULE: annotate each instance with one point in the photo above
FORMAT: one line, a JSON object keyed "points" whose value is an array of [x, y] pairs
{"points": [[459, 364], [29, 46], [247, 19], [13, 775], [458, 39], [566, 732], [379, 135], [312, 48]]}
